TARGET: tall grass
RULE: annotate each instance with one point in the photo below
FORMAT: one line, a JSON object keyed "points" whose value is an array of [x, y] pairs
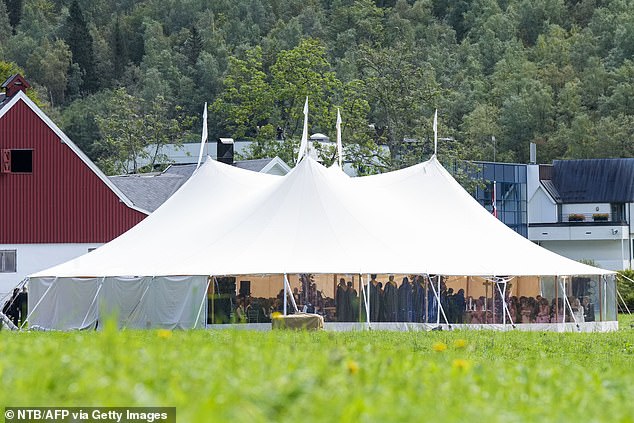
{"points": [[238, 376]]}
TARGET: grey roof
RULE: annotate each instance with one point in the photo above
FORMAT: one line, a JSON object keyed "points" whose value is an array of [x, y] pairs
{"points": [[595, 180], [149, 191], [551, 189], [255, 165]]}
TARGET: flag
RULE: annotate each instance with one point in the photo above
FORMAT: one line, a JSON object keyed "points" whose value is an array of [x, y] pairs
{"points": [[203, 139], [494, 208], [339, 144], [436, 132], [304, 144]]}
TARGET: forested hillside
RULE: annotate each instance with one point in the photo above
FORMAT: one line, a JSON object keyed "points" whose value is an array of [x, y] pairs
{"points": [[120, 74]]}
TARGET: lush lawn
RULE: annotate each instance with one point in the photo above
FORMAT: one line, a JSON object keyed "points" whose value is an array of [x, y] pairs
{"points": [[241, 376]]}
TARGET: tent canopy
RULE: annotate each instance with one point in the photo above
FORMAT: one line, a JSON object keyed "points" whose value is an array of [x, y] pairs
{"points": [[228, 221]]}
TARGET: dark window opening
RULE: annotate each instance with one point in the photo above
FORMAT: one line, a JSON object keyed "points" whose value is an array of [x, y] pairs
{"points": [[21, 161]]}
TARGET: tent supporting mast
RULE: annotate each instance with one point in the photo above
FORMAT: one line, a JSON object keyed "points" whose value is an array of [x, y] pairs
{"points": [[202, 304], [83, 323], [440, 308], [125, 322], [38, 303], [505, 309]]}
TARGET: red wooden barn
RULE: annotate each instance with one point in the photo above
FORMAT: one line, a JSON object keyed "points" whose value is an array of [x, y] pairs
{"points": [[55, 204]]}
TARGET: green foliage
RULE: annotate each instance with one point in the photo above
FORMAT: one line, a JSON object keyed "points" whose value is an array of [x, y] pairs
{"points": [[133, 131], [625, 285], [80, 42], [286, 376], [554, 72]]}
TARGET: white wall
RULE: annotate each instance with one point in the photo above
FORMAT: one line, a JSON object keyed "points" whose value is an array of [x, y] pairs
{"points": [[607, 254], [35, 257], [541, 207]]}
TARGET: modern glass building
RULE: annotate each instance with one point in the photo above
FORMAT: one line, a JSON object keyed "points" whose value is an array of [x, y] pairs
{"points": [[510, 192]]}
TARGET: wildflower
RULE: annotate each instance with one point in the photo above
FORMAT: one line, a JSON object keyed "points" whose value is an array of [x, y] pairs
{"points": [[276, 315], [460, 343], [164, 333], [439, 346], [353, 367], [461, 364]]}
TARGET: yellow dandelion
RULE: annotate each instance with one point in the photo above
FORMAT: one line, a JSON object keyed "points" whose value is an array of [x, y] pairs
{"points": [[164, 333], [353, 367], [461, 364], [460, 343], [439, 346], [276, 315]]}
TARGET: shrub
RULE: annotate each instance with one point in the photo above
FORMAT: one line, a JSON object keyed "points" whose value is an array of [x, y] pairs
{"points": [[600, 216]]}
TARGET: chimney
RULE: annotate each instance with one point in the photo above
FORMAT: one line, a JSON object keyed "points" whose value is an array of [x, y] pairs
{"points": [[533, 153], [14, 84], [224, 151]]}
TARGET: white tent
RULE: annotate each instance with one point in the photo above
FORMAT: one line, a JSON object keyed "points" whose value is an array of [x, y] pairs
{"points": [[226, 221]]}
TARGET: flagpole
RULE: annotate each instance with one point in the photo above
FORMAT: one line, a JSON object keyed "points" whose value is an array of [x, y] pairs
{"points": [[339, 144], [203, 138], [303, 146], [436, 132]]}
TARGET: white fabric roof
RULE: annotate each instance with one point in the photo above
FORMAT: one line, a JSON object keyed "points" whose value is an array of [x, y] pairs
{"points": [[315, 220]]}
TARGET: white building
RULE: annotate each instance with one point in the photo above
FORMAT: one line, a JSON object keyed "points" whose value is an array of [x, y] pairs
{"points": [[582, 209]]}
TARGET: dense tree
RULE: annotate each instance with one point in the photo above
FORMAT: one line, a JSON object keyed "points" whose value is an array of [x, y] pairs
{"points": [[14, 11], [133, 131], [80, 42], [546, 71]]}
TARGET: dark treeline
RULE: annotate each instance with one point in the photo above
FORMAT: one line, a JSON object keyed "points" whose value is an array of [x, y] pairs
{"points": [[119, 75]]}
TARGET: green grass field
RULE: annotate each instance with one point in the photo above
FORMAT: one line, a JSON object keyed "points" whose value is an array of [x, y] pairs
{"points": [[242, 376]]}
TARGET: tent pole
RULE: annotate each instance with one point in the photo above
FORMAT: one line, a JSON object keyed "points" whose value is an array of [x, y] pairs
{"points": [[367, 297], [38, 303], [125, 322], [213, 300], [285, 295], [287, 285], [439, 309], [202, 303], [93, 302], [437, 293], [566, 301], [505, 309], [619, 293]]}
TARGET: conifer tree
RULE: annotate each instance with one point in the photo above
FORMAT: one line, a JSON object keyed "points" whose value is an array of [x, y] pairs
{"points": [[80, 41]]}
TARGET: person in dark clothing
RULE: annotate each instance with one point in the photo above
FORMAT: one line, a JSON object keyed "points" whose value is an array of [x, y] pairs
{"points": [[405, 301], [418, 302], [391, 300], [588, 310], [11, 307], [22, 304], [341, 301], [353, 303], [375, 299], [460, 306]]}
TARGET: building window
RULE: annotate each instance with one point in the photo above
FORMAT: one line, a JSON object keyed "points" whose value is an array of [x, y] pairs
{"points": [[8, 261], [17, 161]]}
